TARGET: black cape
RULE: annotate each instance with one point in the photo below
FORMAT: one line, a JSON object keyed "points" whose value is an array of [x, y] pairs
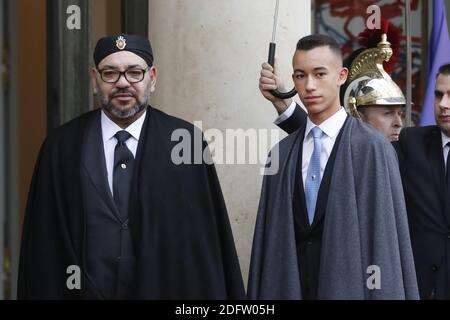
{"points": [[178, 220]]}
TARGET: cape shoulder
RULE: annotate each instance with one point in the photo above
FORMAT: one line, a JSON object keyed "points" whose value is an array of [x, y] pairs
{"points": [[170, 122], [68, 135], [366, 137], [362, 135]]}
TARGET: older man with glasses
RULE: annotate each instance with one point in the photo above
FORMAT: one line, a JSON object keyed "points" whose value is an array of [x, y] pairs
{"points": [[110, 215]]}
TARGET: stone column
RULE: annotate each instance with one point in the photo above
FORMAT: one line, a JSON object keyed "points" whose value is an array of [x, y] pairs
{"points": [[68, 60], [208, 55]]}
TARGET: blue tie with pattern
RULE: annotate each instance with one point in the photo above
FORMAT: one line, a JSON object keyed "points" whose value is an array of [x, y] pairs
{"points": [[312, 183]]}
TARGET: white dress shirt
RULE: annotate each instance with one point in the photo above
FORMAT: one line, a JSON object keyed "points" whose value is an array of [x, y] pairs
{"points": [[331, 128], [445, 148], [109, 129]]}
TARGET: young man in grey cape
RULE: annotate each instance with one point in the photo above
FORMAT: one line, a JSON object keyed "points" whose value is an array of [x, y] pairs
{"points": [[332, 222]]}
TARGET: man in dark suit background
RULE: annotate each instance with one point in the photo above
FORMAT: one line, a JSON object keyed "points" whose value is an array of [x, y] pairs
{"points": [[423, 156]]}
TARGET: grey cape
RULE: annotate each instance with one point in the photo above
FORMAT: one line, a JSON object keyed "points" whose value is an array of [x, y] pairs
{"points": [[365, 225]]}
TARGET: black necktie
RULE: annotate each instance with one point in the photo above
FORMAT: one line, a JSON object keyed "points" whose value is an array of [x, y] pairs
{"points": [[123, 173], [447, 174]]}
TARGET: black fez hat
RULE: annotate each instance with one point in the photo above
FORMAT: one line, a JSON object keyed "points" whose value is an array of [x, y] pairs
{"points": [[137, 44]]}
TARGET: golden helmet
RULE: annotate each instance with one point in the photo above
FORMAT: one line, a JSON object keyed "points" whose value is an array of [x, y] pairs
{"points": [[369, 84]]}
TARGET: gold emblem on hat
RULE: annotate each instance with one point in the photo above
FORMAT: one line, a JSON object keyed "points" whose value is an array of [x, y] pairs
{"points": [[121, 43]]}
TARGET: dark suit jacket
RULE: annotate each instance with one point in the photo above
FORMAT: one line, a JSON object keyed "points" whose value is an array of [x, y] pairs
{"points": [[423, 175], [295, 121], [422, 168], [108, 250]]}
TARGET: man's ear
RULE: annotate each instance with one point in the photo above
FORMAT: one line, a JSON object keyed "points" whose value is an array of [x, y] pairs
{"points": [[153, 75], [94, 80], [343, 74]]}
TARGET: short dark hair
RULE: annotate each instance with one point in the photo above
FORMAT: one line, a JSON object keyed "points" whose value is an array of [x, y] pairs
{"points": [[319, 40], [444, 70]]}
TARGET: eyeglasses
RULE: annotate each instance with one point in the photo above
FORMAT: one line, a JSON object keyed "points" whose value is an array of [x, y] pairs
{"points": [[131, 75]]}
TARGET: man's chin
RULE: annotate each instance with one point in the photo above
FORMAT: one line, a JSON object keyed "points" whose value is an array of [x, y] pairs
{"points": [[124, 112], [314, 108], [445, 127]]}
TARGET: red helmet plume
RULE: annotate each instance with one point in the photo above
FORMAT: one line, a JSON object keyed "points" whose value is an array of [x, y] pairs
{"points": [[370, 38]]}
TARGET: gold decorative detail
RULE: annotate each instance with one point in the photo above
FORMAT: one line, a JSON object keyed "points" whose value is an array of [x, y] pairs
{"points": [[121, 43], [352, 108], [370, 61], [369, 84]]}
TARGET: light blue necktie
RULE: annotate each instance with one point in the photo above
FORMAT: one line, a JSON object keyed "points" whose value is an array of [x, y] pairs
{"points": [[312, 183]]}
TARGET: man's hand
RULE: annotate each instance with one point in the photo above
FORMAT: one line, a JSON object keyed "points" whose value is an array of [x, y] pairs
{"points": [[268, 81]]}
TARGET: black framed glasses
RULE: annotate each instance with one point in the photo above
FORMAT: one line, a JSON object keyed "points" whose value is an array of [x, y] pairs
{"points": [[131, 75]]}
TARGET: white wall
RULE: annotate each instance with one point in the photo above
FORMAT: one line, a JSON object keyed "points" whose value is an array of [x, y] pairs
{"points": [[208, 54]]}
